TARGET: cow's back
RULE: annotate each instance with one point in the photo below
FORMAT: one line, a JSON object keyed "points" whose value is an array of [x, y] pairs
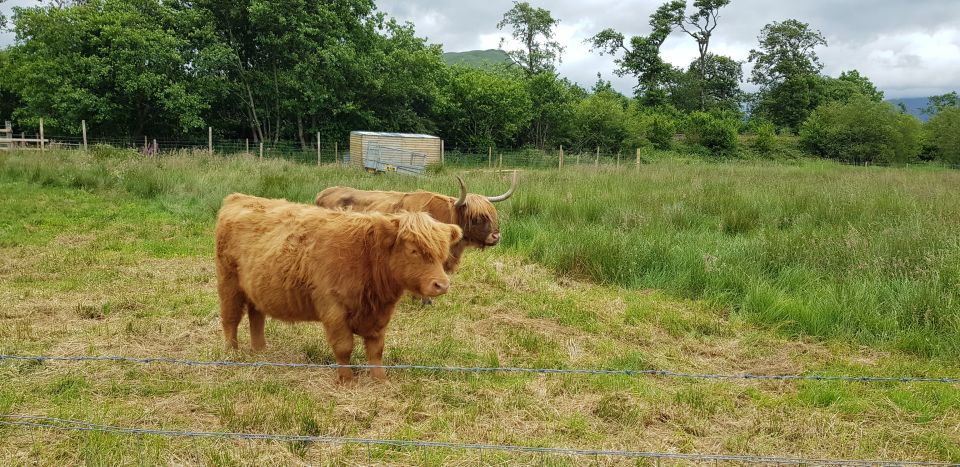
{"points": [[438, 206], [281, 253]]}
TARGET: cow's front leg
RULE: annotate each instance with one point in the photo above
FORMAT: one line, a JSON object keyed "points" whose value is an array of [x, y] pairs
{"points": [[374, 347], [257, 319], [341, 340]]}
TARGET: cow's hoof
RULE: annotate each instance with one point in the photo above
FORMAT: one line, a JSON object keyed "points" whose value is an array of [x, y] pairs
{"points": [[378, 374]]}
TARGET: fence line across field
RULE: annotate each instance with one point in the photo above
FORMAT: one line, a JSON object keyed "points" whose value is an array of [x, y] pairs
{"points": [[329, 151], [455, 369], [62, 424]]}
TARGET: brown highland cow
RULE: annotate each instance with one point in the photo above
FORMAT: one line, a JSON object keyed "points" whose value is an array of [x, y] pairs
{"points": [[347, 270], [475, 214]]}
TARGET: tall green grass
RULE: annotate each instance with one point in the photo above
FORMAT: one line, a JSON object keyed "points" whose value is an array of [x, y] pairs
{"points": [[815, 248]]}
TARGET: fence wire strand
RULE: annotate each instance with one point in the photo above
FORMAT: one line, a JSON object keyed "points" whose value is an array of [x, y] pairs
{"points": [[457, 369], [62, 424]]}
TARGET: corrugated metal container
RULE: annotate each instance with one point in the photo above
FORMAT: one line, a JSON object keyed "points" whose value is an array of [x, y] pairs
{"points": [[431, 147]]}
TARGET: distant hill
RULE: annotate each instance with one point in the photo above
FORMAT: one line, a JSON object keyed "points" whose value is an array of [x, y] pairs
{"points": [[477, 58], [914, 106]]}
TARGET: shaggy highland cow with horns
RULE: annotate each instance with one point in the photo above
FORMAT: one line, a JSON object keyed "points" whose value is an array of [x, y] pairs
{"points": [[475, 214]]}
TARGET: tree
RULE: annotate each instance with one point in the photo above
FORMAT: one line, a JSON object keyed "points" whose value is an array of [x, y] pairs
{"points": [[786, 68], [601, 121], [9, 100], [700, 26], [849, 85], [937, 104], [942, 135], [786, 49], [718, 133], [553, 102], [122, 66], [533, 27], [641, 58], [709, 85], [482, 108], [862, 131]]}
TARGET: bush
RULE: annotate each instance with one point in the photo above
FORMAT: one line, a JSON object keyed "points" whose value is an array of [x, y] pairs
{"points": [[861, 131], [718, 134], [656, 129], [764, 136], [942, 136]]}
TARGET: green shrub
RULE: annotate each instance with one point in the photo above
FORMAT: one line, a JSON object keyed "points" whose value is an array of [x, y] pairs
{"points": [[764, 136], [861, 131], [718, 134], [942, 136]]}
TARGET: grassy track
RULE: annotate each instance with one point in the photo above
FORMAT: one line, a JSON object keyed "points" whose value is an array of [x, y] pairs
{"points": [[104, 255]]}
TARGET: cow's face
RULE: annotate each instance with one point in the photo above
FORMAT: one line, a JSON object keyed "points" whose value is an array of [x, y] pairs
{"points": [[478, 218], [419, 253]]}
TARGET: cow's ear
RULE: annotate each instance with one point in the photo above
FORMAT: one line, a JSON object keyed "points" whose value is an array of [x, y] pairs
{"points": [[391, 232], [456, 233]]}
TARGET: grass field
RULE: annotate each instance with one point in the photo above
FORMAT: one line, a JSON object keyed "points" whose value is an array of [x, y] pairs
{"points": [[688, 266]]}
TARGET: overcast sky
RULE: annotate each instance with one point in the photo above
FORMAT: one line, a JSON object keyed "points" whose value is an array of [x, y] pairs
{"points": [[908, 48]]}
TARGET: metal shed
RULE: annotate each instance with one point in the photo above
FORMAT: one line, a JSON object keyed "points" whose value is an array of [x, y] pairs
{"points": [[372, 148]]}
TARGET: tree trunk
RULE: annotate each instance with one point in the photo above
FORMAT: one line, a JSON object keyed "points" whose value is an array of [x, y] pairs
{"points": [[303, 142]]}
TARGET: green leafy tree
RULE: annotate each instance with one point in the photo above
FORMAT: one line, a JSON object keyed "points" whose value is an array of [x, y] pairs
{"points": [[849, 85], [641, 57], [786, 67], [786, 49], [482, 108], [936, 104], [9, 100], [534, 28], [601, 121], [651, 127], [715, 84], [700, 25], [942, 135], [553, 102], [120, 65], [716, 132], [862, 131]]}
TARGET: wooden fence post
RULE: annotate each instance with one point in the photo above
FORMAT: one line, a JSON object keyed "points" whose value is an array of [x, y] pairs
{"points": [[42, 147], [318, 148], [638, 158], [442, 155], [561, 157], [336, 152], [490, 156], [83, 125], [501, 160], [261, 151], [210, 139], [597, 161], [618, 158], [246, 146]]}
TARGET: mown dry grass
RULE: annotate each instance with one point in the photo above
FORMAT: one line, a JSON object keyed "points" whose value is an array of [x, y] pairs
{"points": [[103, 274]]}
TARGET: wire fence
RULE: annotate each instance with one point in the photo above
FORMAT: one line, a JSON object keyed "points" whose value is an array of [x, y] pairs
{"points": [[62, 424], [455, 369], [338, 151], [333, 151]]}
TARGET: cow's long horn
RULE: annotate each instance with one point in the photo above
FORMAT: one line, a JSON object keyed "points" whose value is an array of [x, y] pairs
{"points": [[463, 193], [508, 194]]}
